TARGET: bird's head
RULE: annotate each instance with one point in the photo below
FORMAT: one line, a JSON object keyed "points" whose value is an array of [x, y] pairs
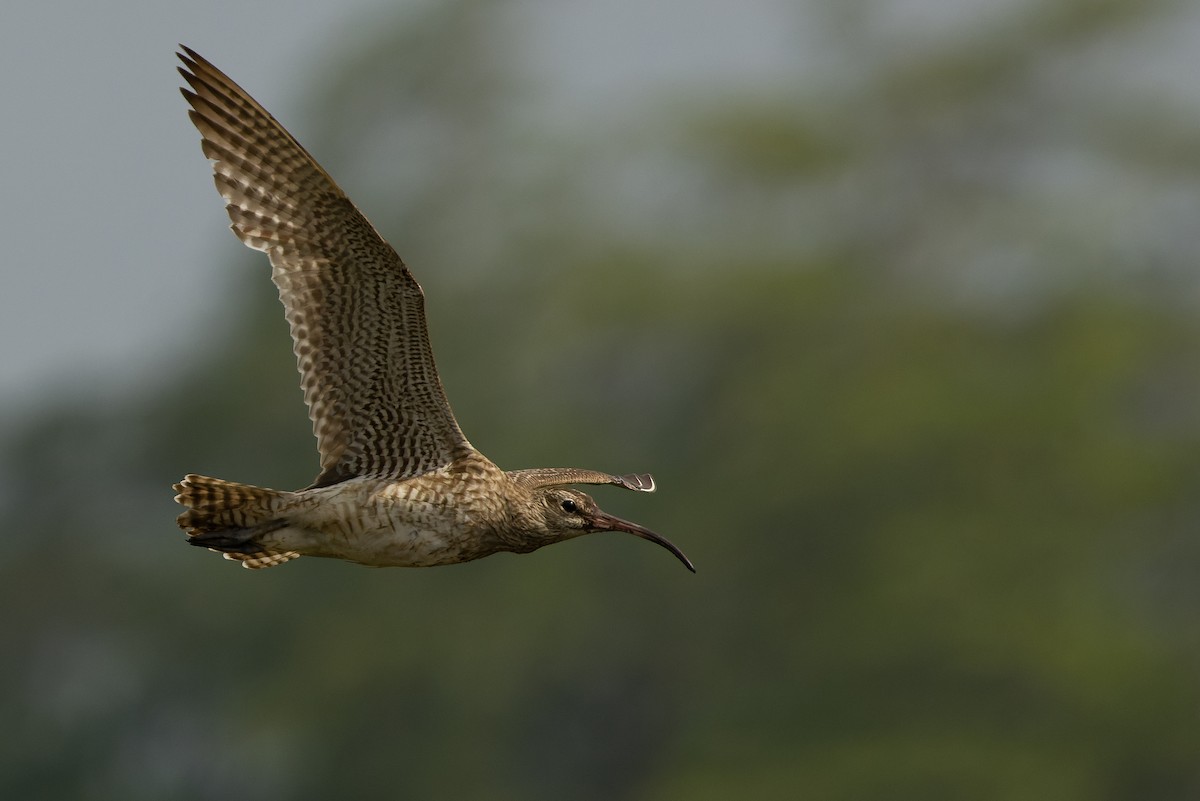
{"points": [[560, 512]]}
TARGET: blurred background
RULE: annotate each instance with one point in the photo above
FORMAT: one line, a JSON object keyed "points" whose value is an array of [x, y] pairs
{"points": [[899, 300]]}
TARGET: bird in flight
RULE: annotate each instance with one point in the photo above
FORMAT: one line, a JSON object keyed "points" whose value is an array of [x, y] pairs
{"points": [[399, 483]]}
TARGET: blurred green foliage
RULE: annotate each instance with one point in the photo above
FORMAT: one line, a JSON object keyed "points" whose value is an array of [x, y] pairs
{"points": [[928, 432]]}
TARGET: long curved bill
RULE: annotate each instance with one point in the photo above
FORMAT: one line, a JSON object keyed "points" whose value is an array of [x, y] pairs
{"points": [[603, 521]]}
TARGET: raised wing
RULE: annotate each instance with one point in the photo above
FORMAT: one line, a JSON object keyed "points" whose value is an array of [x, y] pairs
{"points": [[357, 315]]}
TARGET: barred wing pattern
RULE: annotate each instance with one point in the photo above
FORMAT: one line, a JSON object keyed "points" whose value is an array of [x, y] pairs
{"points": [[357, 315]]}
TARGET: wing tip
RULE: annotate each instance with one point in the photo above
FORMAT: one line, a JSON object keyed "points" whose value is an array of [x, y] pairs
{"points": [[639, 482]]}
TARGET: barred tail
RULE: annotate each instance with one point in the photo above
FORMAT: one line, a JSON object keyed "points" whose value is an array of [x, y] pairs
{"points": [[228, 517]]}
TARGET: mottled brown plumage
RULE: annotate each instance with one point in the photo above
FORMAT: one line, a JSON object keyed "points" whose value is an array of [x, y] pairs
{"points": [[399, 483]]}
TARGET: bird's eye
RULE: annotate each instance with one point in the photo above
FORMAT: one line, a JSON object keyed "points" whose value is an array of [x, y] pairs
{"points": [[569, 506]]}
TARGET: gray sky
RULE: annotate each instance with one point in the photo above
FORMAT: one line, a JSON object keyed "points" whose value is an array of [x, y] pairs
{"points": [[113, 231]]}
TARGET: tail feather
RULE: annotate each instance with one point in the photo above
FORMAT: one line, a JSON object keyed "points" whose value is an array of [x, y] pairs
{"points": [[227, 517]]}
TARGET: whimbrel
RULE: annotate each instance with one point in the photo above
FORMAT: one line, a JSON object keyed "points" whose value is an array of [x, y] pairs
{"points": [[399, 484]]}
